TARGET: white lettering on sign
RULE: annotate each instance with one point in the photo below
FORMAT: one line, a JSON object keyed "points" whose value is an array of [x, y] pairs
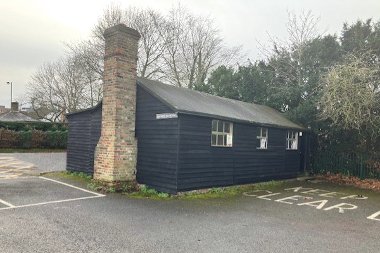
{"points": [[166, 116], [341, 207], [375, 216]]}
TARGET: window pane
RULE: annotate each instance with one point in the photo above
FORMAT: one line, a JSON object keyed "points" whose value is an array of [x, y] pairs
{"points": [[294, 144], [227, 127], [225, 140], [229, 140], [213, 139], [263, 142], [220, 126], [258, 132], [220, 140], [214, 125], [264, 132]]}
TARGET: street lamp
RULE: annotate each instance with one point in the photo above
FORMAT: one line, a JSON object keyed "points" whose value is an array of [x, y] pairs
{"points": [[11, 90]]}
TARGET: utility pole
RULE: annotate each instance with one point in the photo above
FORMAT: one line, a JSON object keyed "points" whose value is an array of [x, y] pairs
{"points": [[11, 90]]}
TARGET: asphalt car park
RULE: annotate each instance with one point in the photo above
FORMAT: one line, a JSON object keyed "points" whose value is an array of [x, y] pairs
{"points": [[54, 217], [39, 214], [34, 191]]}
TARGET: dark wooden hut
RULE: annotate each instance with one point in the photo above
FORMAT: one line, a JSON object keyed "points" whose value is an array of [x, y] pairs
{"points": [[189, 140]]}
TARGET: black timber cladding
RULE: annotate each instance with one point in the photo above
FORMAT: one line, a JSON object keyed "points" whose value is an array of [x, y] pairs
{"points": [[83, 136], [201, 165], [157, 141]]}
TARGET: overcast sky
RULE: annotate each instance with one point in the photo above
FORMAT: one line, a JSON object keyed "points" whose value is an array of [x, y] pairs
{"points": [[34, 31]]}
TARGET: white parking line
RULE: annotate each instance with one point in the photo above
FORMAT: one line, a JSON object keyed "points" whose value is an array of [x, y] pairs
{"points": [[97, 195], [72, 186], [50, 202], [6, 203]]}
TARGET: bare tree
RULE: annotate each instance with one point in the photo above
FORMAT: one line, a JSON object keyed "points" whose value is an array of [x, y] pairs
{"points": [[301, 29], [288, 61], [147, 22], [89, 55], [62, 87], [180, 48], [193, 47], [112, 15]]}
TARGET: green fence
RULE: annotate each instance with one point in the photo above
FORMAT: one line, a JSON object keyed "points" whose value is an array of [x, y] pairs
{"points": [[349, 164]]}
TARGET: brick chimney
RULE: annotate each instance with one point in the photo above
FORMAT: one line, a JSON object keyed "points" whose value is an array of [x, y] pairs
{"points": [[14, 106], [115, 155]]}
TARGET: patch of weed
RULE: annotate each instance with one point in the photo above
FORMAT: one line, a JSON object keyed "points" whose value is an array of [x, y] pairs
{"points": [[147, 192]]}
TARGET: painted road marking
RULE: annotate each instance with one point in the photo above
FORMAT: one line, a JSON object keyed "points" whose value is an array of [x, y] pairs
{"points": [[96, 195], [6, 203], [375, 216], [51, 202], [306, 200], [72, 186]]}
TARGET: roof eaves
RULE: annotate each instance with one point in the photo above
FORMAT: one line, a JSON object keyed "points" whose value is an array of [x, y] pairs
{"points": [[85, 110], [240, 120]]}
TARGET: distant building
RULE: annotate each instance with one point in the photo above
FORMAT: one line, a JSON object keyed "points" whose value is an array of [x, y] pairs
{"points": [[26, 109], [3, 109], [14, 115]]}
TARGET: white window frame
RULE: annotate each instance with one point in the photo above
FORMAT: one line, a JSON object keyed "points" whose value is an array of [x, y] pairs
{"points": [[227, 137], [292, 140], [263, 138]]}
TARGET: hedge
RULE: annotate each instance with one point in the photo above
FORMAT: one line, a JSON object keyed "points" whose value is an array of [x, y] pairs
{"points": [[28, 126], [33, 138]]}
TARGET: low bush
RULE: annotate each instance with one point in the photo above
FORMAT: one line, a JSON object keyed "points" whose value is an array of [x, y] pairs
{"points": [[27, 126], [28, 139]]}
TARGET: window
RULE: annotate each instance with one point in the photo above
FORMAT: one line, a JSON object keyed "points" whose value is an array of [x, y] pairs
{"points": [[221, 133], [262, 137], [292, 140]]}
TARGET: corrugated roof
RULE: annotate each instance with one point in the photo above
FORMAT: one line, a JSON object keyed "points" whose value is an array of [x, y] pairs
{"points": [[198, 103], [15, 116]]}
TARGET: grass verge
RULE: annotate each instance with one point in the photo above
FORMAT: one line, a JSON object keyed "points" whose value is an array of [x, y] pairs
{"points": [[135, 190], [211, 193]]}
